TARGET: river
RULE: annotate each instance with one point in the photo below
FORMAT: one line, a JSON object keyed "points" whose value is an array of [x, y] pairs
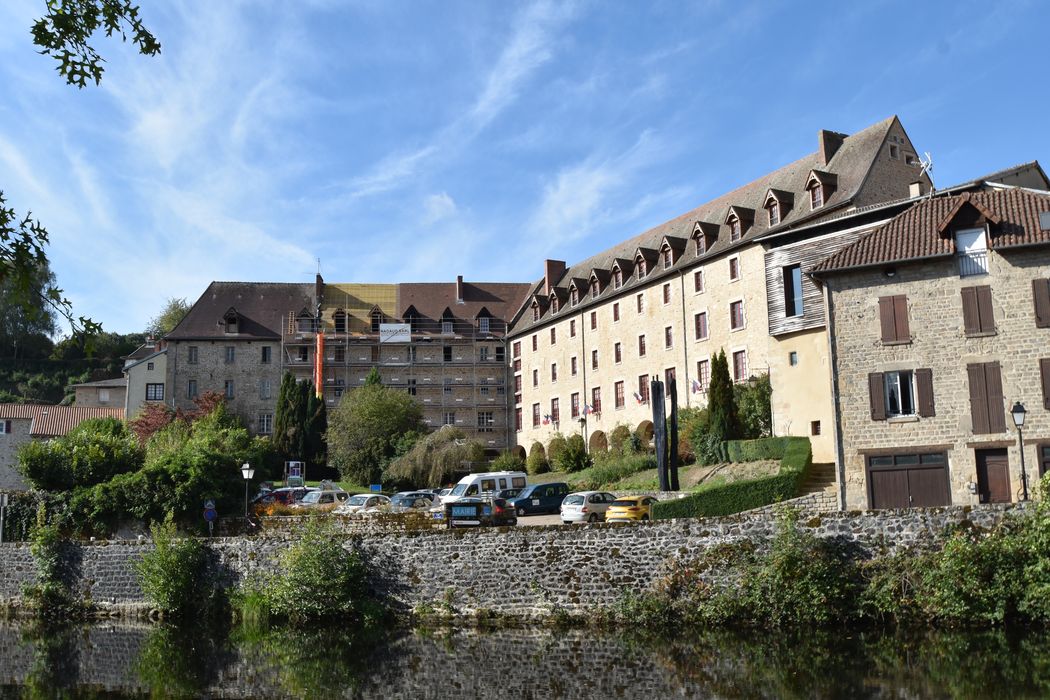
{"points": [[116, 660]]}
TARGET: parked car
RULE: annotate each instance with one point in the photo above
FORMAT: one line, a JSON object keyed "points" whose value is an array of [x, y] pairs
{"points": [[284, 496], [586, 506], [411, 500], [479, 512], [362, 502], [476, 484], [507, 494], [322, 498], [630, 508], [540, 498]]}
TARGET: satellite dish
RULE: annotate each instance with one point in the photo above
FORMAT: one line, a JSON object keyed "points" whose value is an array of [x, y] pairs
{"points": [[927, 164]]}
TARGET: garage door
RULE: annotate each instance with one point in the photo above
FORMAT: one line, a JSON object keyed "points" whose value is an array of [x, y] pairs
{"points": [[910, 480]]}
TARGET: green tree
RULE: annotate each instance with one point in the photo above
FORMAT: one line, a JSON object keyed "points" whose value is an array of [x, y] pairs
{"points": [[25, 330], [434, 459], [170, 316], [753, 400], [95, 451], [537, 462], [723, 421], [364, 429], [573, 457], [373, 378], [287, 417]]}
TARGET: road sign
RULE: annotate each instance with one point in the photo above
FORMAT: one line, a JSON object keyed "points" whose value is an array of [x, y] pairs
{"points": [[209, 504], [375, 487], [210, 514]]}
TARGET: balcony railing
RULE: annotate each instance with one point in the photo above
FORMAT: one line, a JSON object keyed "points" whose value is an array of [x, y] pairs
{"points": [[973, 263]]}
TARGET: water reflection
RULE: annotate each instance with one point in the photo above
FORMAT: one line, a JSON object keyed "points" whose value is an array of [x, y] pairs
{"points": [[138, 660]]}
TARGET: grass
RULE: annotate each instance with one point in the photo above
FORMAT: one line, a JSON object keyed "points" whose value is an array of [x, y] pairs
{"points": [[646, 480]]}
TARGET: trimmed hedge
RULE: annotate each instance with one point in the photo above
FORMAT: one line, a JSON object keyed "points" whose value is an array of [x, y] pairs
{"points": [[796, 457]]}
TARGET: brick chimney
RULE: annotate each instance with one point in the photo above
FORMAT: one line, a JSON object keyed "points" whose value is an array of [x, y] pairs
{"points": [[552, 273], [829, 143], [459, 289]]}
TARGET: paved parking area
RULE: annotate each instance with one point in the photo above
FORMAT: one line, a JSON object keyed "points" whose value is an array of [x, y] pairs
{"points": [[527, 520]]}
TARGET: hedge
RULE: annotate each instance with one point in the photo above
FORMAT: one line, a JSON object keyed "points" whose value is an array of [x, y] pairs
{"points": [[796, 457]]}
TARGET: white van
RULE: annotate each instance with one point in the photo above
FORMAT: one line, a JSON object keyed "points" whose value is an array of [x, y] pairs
{"points": [[473, 484]]}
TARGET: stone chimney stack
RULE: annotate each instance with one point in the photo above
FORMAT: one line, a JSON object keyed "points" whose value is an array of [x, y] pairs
{"points": [[829, 143], [917, 189], [552, 272], [459, 289]]}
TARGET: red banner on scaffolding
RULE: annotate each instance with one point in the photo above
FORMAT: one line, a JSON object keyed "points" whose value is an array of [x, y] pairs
{"points": [[319, 365]]}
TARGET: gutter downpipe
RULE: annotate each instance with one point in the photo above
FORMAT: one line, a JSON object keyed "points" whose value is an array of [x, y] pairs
{"points": [[840, 458]]}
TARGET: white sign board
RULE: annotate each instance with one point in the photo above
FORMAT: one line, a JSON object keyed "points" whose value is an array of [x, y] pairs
{"points": [[395, 333]]}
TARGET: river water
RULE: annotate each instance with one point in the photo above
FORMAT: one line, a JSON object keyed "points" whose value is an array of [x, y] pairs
{"points": [[139, 660]]}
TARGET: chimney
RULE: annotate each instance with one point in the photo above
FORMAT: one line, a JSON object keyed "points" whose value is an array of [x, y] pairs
{"points": [[459, 289], [318, 290], [552, 272], [829, 143], [917, 189]]}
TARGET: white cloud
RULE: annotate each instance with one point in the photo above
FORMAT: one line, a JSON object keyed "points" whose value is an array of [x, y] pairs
{"points": [[437, 207]]}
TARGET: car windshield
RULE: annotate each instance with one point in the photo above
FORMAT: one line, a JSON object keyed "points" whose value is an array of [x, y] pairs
{"points": [[402, 500], [312, 497], [624, 503], [357, 500], [573, 500], [459, 489]]}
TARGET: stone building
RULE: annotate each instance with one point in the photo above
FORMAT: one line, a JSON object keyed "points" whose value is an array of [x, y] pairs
{"points": [[665, 302], [939, 323], [105, 393], [145, 376]]}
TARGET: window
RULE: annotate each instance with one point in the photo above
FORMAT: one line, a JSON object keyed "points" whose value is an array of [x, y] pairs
{"points": [[554, 303], [596, 288], [910, 159], [535, 342], [340, 322], [230, 354], [446, 387], [447, 327], [191, 389], [517, 419], [700, 325], [668, 257], [987, 409], [816, 196], [535, 315], [703, 374], [154, 392], [792, 290], [893, 319], [483, 324], [554, 335], [266, 353], [302, 353], [698, 281], [446, 353], [517, 365], [554, 372], [701, 242], [517, 383], [1044, 376], [596, 399], [641, 346], [594, 320], [774, 212], [501, 353], [668, 337], [574, 405], [412, 387], [617, 277], [516, 349], [894, 151], [669, 374], [103, 395], [618, 394], [535, 415], [814, 427], [901, 393], [736, 315], [340, 354], [740, 365], [265, 423], [734, 269], [978, 319], [374, 351], [900, 400], [483, 354], [734, 229], [616, 312], [643, 389], [594, 359], [1041, 299], [377, 318], [667, 293], [572, 365], [572, 328], [192, 354], [617, 353], [971, 250], [149, 366], [574, 296], [793, 358], [640, 264], [227, 388], [486, 421], [264, 388], [5, 427], [535, 377], [449, 418], [555, 411]]}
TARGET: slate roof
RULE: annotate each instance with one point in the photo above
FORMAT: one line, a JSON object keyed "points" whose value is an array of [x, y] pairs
{"points": [[261, 306], [117, 382], [850, 164], [55, 421], [430, 299], [923, 231]]}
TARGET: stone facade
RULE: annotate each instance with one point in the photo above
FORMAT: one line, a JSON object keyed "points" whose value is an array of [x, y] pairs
{"points": [[10, 441], [139, 375], [939, 343]]}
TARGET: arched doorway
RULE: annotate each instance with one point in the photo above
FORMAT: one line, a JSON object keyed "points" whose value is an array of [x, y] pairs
{"points": [[598, 442], [644, 431], [519, 452]]}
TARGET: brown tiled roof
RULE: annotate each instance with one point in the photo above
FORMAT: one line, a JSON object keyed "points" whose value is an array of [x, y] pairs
{"points": [[55, 421], [850, 164], [430, 299], [261, 307], [916, 233]]}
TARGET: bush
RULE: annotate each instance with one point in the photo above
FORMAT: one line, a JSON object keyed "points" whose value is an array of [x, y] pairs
{"points": [[95, 451], [434, 459], [507, 461], [611, 468], [174, 576], [52, 596], [753, 407], [555, 448], [574, 457], [537, 462], [620, 439]]}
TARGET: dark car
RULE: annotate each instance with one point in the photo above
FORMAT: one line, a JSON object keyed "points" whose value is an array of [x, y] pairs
{"points": [[282, 496], [540, 498], [479, 512]]}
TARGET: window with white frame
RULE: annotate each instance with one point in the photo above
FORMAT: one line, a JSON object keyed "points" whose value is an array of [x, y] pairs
{"points": [[698, 281], [265, 423], [736, 315], [740, 365], [483, 324], [900, 393], [227, 388]]}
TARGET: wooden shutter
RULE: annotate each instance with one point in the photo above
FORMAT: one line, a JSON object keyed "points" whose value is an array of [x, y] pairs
{"points": [[996, 408], [1041, 296], [978, 398], [1044, 374], [971, 317], [877, 395], [900, 317], [984, 309], [7, 427], [924, 388], [889, 332]]}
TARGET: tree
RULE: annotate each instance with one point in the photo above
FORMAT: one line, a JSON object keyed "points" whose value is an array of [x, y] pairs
{"points": [[286, 417], [573, 457], [25, 331], [537, 462], [434, 459], [91, 453], [722, 421], [373, 378], [300, 422], [364, 429], [754, 407], [163, 323]]}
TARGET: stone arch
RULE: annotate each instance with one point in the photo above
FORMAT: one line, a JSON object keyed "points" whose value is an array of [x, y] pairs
{"points": [[644, 431], [598, 442], [519, 452], [538, 448]]}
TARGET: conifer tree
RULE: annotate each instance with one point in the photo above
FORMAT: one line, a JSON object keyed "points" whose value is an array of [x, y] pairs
{"points": [[724, 422]]}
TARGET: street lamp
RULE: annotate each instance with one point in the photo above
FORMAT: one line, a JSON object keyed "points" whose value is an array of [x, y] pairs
{"points": [[1018, 414], [247, 472]]}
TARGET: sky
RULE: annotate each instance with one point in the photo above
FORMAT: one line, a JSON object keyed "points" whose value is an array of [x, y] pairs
{"points": [[399, 141]]}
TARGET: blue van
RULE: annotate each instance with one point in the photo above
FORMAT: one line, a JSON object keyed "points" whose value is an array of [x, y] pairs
{"points": [[539, 498]]}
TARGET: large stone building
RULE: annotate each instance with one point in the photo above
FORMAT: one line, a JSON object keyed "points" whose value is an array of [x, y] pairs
{"points": [[940, 325], [666, 301]]}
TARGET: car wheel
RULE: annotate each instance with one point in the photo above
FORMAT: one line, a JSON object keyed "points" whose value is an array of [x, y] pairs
{"points": [[521, 511], [645, 517], [592, 518]]}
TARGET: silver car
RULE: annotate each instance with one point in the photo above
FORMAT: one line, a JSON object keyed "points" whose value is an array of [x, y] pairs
{"points": [[362, 502], [585, 506]]}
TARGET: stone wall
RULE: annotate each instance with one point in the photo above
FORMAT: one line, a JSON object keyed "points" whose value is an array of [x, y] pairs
{"points": [[524, 571]]}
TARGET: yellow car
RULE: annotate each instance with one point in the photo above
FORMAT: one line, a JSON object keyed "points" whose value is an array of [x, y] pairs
{"points": [[630, 508]]}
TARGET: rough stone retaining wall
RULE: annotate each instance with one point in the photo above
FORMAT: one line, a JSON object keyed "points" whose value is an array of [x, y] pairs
{"points": [[522, 571]]}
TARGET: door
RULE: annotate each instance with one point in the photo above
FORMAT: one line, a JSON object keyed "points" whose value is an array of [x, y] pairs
{"points": [[993, 476], [908, 480]]}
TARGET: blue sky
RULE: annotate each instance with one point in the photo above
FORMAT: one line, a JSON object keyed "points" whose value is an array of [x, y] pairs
{"points": [[414, 141]]}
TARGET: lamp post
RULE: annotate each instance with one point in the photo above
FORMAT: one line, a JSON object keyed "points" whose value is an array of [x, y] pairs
{"points": [[1018, 414], [247, 472]]}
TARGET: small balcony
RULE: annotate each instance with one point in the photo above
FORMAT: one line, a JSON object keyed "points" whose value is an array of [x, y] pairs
{"points": [[973, 263]]}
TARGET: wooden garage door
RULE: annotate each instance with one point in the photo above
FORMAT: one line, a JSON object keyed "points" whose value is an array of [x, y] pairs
{"points": [[913, 480]]}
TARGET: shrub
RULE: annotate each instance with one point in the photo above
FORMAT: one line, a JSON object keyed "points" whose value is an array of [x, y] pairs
{"points": [[537, 462], [611, 468], [573, 457], [619, 439], [507, 461], [555, 447], [434, 459], [95, 451], [52, 595], [174, 576], [754, 409]]}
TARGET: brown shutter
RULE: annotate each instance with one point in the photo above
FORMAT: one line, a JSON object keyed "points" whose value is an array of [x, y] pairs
{"points": [[971, 317], [978, 398], [1041, 295], [1044, 373], [889, 333], [984, 309], [900, 317], [924, 387], [7, 427], [996, 407], [877, 396]]}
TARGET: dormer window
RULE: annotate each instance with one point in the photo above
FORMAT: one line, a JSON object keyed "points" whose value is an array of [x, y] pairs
{"points": [[774, 213], [734, 228], [411, 319], [554, 303], [535, 315], [668, 257], [483, 324], [617, 278], [701, 244], [340, 321], [816, 196], [595, 288], [640, 264], [377, 318], [231, 324], [574, 296], [447, 327]]}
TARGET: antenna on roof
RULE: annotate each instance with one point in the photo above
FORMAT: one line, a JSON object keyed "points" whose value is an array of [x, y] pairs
{"points": [[319, 259], [927, 168]]}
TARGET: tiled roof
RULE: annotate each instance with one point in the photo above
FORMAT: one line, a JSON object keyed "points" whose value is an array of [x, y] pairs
{"points": [[261, 308], [430, 299], [916, 232], [55, 421], [850, 164]]}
